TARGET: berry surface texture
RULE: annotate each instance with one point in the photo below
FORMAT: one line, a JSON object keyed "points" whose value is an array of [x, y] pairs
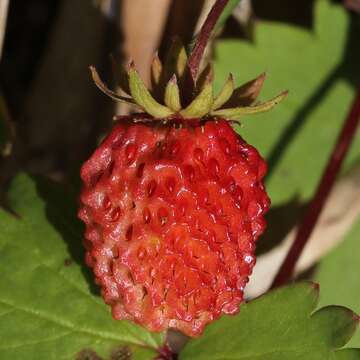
{"points": [[172, 215]]}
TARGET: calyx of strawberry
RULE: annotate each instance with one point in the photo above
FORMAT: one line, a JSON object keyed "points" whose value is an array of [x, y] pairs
{"points": [[172, 95]]}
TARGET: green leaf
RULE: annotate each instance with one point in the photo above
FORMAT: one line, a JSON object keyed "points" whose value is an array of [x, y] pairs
{"points": [[278, 326], [48, 308], [338, 275], [347, 354], [313, 67]]}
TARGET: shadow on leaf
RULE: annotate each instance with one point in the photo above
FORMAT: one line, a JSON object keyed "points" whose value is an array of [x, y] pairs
{"points": [[347, 70], [61, 212]]}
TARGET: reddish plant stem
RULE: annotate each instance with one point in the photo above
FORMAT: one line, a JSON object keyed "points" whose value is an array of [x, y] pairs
{"points": [[165, 353], [203, 38], [327, 181]]}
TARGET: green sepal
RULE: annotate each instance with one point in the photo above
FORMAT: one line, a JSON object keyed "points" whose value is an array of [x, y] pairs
{"points": [[143, 98], [201, 105], [156, 69], [170, 79], [101, 85], [175, 63], [176, 59], [225, 93], [181, 62], [207, 75], [237, 112], [172, 95]]}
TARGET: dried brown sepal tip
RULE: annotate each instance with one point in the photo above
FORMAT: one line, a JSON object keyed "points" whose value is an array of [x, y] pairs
{"points": [[246, 94], [103, 87], [166, 100]]}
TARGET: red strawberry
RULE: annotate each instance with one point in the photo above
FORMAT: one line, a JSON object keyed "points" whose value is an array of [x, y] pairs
{"points": [[173, 202]]}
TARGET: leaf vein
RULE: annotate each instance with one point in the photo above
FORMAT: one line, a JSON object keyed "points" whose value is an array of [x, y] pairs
{"points": [[66, 324], [50, 339]]}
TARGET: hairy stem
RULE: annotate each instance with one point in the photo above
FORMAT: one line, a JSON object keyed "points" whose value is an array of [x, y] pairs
{"points": [[313, 212], [204, 35]]}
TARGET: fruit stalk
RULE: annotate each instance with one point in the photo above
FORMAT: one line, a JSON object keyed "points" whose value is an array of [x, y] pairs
{"points": [[203, 38], [333, 167]]}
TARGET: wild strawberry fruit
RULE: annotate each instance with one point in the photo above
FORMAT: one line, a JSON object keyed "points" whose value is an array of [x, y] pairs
{"points": [[173, 201]]}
